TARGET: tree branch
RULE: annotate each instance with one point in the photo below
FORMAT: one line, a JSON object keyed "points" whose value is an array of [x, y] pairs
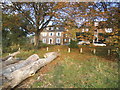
{"points": [[46, 23], [15, 6]]}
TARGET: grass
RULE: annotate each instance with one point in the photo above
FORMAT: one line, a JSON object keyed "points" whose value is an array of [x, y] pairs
{"points": [[74, 69], [91, 73]]}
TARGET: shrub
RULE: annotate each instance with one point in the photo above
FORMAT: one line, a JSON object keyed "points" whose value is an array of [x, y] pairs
{"points": [[6, 50], [43, 45], [73, 44], [27, 47], [10, 49]]}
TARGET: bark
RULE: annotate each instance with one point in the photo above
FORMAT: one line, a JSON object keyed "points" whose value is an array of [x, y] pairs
{"points": [[28, 70], [10, 68], [5, 58], [10, 60], [11, 55], [37, 39], [15, 53], [7, 61]]}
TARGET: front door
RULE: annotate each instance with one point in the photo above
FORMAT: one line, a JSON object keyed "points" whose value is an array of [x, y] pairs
{"points": [[50, 41]]}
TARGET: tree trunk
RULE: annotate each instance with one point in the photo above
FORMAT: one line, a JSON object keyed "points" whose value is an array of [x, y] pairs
{"points": [[11, 68], [37, 39], [30, 69]]}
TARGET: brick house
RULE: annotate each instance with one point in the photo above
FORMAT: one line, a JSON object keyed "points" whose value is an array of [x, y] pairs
{"points": [[55, 36]]}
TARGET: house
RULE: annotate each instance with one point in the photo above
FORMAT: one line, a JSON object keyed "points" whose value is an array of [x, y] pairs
{"points": [[96, 33], [55, 36]]}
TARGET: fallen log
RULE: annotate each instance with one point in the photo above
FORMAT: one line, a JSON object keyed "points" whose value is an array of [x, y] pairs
{"points": [[10, 68], [11, 55], [5, 58], [10, 60], [29, 70]]}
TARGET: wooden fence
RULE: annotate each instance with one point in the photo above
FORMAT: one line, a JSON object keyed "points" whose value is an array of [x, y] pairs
{"points": [[92, 50]]}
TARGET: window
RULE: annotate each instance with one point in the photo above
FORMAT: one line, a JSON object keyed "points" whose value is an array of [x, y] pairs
{"points": [[57, 28], [65, 40], [66, 35], [44, 34], [58, 34], [44, 40], [109, 30], [52, 28], [51, 34], [57, 40]]}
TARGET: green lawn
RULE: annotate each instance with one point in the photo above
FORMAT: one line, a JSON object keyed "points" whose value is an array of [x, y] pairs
{"points": [[89, 73], [74, 69]]}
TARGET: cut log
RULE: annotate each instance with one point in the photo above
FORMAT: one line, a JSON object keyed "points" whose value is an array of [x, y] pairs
{"points": [[21, 74], [15, 53], [10, 68], [5, 58], [11, 55], [48, 54], [10, 60]]}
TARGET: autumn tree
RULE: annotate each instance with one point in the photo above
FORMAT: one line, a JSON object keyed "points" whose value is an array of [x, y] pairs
{"points": [[85, 14], [111, 18], [38, 14], [69, 15]]}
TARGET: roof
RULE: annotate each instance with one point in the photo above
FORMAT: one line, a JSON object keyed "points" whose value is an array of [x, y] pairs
{"points": [[54, 29]]}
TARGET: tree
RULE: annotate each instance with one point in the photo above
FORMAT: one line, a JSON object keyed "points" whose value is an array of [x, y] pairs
{"points": [[90, 12], [12, 34], [38, 14], [69, 15]]}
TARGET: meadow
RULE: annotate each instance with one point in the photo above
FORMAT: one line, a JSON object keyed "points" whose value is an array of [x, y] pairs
{"points": [[74, 69]]}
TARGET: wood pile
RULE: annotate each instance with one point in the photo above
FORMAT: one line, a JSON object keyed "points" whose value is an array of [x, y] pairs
{"points": [[15, 71]]}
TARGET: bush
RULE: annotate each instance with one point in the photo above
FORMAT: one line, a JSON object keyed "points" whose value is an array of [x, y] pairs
{"points": [[31, 46], [10, 49], [28, 47], [73, 44], [43, 45], [6, 50]]}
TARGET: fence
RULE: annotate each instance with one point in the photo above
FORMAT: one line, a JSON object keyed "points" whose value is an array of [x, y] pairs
{"points": [[92, 50]]}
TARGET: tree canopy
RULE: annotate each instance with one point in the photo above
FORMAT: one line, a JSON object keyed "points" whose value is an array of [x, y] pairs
{"points": [[33, 17]]}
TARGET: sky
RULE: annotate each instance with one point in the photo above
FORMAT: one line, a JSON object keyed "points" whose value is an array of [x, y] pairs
{"points": [[62, 0]]}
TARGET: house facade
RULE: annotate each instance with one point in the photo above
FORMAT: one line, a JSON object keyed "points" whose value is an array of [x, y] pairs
{"points": [[55, 36]]}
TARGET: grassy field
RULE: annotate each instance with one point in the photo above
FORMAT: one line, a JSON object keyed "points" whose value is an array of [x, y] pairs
{"points": [[74, 69]]}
